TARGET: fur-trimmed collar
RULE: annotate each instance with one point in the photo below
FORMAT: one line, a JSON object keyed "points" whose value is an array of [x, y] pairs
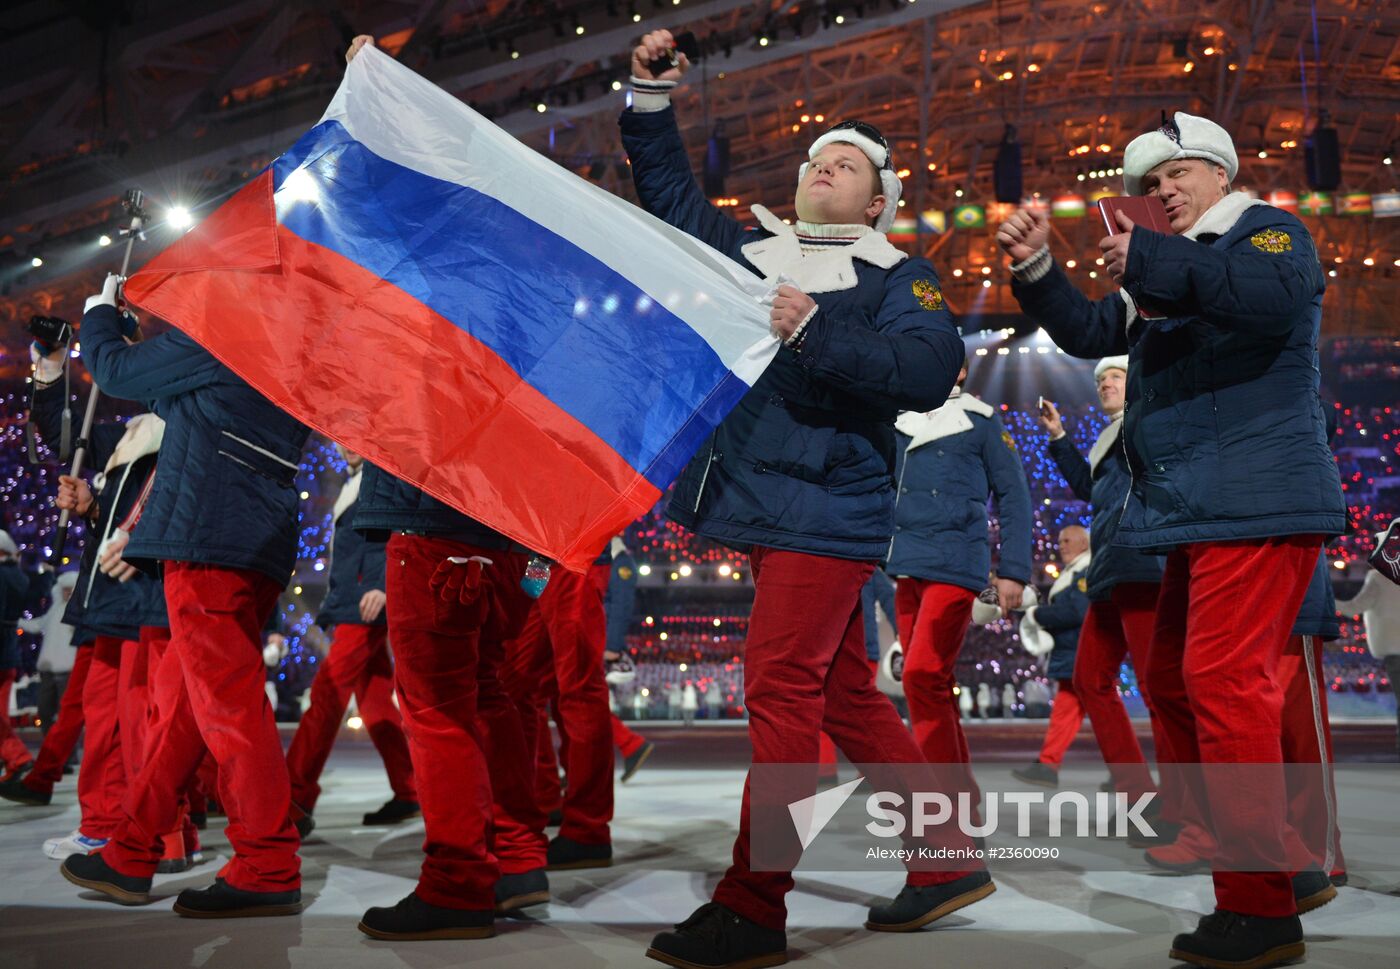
{"points": [[349, 493], [1107, 438], [820, 272], [943, 422], [1221, 217], [144, 433]]}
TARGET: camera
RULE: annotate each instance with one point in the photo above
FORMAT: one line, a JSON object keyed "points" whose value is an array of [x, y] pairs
{"points": [[50, 331]]}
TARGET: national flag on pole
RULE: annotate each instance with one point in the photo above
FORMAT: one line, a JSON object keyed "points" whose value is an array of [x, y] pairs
{"points": [[419, 286]]}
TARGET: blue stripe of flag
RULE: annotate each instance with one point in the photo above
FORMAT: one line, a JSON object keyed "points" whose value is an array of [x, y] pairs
{"points": [[596, 345]]}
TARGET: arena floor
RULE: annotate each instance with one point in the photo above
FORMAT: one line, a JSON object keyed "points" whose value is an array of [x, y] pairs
{"points": [[675, 823]]}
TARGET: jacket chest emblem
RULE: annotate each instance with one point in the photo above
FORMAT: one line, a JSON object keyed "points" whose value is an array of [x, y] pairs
{"points": [[928, 295], [1272, 241], [1083, 585]]}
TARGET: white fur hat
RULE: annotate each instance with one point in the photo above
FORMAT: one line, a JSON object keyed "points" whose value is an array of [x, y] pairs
{"points": [[879, 155], [1193, 137], [1110, 363]]}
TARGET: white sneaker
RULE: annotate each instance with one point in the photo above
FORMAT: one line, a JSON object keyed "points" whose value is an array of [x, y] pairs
{"points": [[76, 843]]}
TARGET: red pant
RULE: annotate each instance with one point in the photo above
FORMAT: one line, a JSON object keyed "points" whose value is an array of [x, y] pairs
{"points": [[12, 750], [102, 776], [357, 663], [932, 619], [463, 732], [1066, 714], [67, 727], [209, 690], [627, 741], [560, 653], [549, 796], [805, 671], [1112, 629], [1223, 621]]}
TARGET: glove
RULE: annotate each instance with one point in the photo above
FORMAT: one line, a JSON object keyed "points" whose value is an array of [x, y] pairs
{"points": [[461, 582], [46, 369], [986, 608], [108, 296]]}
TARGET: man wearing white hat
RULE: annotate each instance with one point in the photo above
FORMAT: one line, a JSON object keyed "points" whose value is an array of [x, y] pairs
{"points": [[800, 476], [1232, 477], [1122, 588]]}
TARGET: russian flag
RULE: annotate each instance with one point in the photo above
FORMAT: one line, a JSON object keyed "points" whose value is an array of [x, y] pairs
{"points": [[416, 284]]}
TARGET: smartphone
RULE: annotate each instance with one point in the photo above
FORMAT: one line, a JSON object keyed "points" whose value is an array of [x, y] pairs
{"points": [[684, 44]]}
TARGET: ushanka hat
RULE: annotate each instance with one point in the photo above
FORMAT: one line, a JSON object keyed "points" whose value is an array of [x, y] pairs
{"points": [[1182, 136], [868, 139]]}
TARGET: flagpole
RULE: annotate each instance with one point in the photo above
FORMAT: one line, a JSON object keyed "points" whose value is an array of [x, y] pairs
{"points": [[132, 202]]}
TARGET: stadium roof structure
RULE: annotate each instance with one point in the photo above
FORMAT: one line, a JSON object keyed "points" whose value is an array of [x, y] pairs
{"points": [[187, 99]]}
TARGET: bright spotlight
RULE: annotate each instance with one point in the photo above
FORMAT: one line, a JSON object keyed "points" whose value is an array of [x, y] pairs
{"points": [[36, 262], [104, 240], [179, 217], [354, 723]]}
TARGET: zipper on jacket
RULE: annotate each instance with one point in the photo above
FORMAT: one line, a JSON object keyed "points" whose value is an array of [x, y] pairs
{"points": [[1128, 460], [700, 492], [898, 490]]}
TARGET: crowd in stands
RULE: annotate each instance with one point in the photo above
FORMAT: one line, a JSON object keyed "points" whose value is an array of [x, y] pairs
{"points": [[694, 604]]}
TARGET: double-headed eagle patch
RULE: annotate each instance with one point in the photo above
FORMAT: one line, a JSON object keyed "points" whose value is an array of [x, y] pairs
{"points": [[928, 295], [1272, 240]]}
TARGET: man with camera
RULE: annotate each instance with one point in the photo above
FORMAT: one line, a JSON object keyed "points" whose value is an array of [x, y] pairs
{"points": [[220, 526], [1232, 477], [800, 476]]}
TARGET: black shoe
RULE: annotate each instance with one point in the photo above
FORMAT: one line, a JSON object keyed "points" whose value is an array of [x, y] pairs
{"points": [[173, 866], [1227, 940], [222, 901], [304, 824], [392, 812], [199, 819], [1042, 774], [522, 890], [19, 792], [213, 808], [90, 871], [918, 905], [566, 853], [631, 765], [556, 818], [414, 919], [1312, 889], [716, 937], [1338, 880], [69, 769]]}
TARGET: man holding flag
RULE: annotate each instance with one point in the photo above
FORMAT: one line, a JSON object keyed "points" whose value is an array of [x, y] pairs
{"points": [[800, 476]]}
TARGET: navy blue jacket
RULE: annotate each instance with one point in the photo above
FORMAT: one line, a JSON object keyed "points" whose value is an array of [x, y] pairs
{"points": [[1223, 426], [1105, 488], [940, 523], [1318, 615], [14, 595], [806, 460], [1062, 616], [357, 567], [621, 600], [387, 504], [100, 604], [224, 490]]}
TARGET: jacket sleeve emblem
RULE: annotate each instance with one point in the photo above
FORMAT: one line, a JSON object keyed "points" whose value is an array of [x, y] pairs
{"points": [[1083, 585], [1272, 241], [1009, 441], [624, 573], [928, 295]]}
